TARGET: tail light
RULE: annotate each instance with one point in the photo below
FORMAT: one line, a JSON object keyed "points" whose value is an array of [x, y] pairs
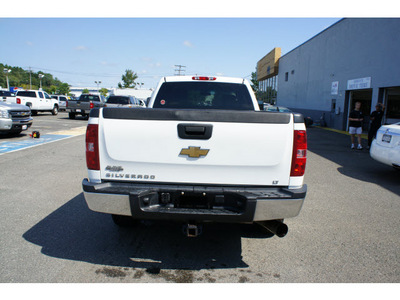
{"points": [[18, 100], [66, 103], [92, 147], [91, 105], [299, 157]]}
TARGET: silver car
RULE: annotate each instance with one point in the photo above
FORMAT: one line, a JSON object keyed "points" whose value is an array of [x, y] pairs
{"points": [[14, 118]]}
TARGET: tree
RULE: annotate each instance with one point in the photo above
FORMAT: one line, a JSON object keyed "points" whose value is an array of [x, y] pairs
{"points": [[266, 96], [254, 82], [63, 89], [103, 91], [28, 79], [85, 91], [52, 89], [128, 79]]}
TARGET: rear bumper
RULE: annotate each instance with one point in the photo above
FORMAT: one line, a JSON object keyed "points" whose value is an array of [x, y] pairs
{"points": [[194, 203], [386, 155], [78, 110]]}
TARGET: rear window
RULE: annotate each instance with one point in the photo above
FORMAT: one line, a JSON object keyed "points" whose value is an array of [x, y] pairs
{"points": [[118, 100], [5, 93], [26, 94], [87, 98], [203, 95]]}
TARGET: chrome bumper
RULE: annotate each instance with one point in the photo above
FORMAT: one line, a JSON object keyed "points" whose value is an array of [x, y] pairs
{"points": [[219, 204]]}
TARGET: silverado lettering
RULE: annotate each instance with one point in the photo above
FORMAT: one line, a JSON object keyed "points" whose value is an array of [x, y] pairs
{"points": [[130, 176]]}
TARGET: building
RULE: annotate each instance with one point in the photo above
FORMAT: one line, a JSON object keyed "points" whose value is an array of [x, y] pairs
{"points": [[355, 59]]}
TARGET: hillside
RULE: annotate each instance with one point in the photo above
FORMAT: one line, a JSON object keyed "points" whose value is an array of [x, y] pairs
{"points": [[19, 77]]}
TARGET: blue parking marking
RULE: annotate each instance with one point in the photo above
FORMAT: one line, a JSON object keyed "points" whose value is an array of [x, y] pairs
{"points": [[6, 147]]}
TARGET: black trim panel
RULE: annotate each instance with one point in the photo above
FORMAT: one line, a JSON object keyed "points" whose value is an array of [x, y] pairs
{"points": [[190, 131], [196, 115], [208, 203]]}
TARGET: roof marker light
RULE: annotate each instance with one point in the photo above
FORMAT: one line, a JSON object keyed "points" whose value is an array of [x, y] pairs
{"points": [[203, 78]]}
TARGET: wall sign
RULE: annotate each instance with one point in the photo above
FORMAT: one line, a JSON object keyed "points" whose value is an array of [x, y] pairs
{"points": [[359, 83], [335, 88]]}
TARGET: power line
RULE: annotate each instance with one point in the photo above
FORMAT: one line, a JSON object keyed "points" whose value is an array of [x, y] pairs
{"points": [[76, 73], [92, 74]]}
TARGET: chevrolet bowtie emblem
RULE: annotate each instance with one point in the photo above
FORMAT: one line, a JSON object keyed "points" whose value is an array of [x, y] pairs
{"points": [[194, 152]]}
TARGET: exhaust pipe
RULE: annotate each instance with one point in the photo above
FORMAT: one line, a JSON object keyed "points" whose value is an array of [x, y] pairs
{"points": [[276, 227], [192, 230]]}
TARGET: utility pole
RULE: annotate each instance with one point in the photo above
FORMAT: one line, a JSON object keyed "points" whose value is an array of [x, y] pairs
{"points": [[179, 70], [30, 77]]}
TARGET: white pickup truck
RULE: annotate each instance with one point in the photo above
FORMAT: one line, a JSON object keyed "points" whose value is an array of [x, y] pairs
{"points": [[38, 101], [202, 151]]}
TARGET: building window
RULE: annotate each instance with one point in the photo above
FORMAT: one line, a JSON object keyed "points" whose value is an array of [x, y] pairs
{"points": [[286, 76]]}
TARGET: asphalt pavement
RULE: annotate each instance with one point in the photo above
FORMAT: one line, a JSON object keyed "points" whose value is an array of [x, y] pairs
{"points": [[348, 229]]}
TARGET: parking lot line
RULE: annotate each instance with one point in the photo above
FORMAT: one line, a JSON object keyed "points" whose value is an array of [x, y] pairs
{"points": [[73, 131], [7, 147]]}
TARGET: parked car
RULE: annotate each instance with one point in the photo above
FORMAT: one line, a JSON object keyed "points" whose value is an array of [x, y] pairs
{"points": [[276, 108], [38, 101], [385, 148], [7, 96], [14, 118], [84, 104], [122, 101], [62, 101]]}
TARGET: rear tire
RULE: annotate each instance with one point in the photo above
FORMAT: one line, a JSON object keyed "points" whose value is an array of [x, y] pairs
{"points": [[124, 221], [71, 115], [54, 112]]}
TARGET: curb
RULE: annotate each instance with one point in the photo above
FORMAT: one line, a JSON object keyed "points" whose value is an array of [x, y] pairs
{"points": [[363, 136]]}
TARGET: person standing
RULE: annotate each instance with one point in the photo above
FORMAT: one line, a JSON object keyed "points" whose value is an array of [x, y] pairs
{"points": [[355, 125], [376, 122]]}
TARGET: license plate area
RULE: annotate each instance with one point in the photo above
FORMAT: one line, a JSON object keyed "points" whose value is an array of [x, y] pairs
{"points": [[175, 200], [78, 110], [386, 138]]}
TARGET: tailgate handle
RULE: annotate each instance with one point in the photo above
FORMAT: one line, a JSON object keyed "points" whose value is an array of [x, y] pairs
{"points": [[195, 131]]}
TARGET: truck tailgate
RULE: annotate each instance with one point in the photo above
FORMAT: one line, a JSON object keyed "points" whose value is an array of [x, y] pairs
{"points": [[244, 147]]}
